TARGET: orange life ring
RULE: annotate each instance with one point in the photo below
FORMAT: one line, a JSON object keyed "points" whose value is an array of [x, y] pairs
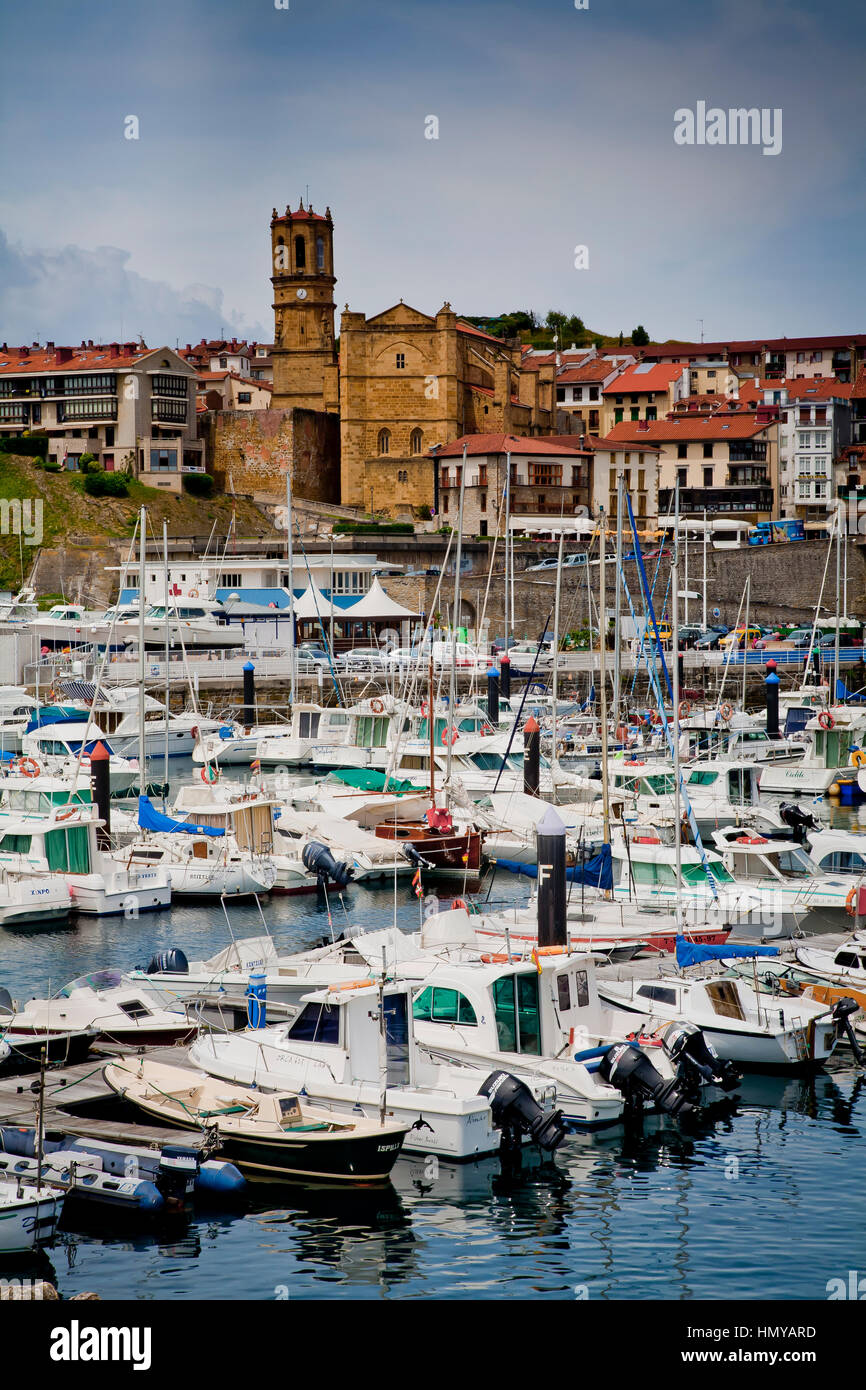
{"points": [[551, 950], [726, 711], [449, 735], [826, 720], [460, 903], [685, 709], [376, 706], [851, 904], [209, 774], [193, 593], [29, 767], [424, 710], [494, 958]]}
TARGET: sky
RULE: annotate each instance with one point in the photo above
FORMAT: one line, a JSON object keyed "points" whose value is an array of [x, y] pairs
{"points": [[555, 131]]}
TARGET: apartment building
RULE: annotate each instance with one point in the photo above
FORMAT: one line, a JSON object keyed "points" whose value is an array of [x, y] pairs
{"points": [[548, 478], [579, 389], [724, 462], [838, 355], [130, 406], [646, 391], [815, 426]]}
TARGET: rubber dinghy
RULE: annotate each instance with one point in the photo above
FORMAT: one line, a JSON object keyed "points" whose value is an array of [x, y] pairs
{"points": [[268, 1133]]}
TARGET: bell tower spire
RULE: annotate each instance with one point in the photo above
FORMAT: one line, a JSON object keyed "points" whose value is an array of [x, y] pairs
{"points": [[302, 260]]}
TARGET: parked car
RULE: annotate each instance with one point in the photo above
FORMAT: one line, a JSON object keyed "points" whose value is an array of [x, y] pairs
{"points": [[709, 642], [550, 564], [740, 636], [523, 656], [318, 655], [367, 658], [663, 554], [690, 634]]}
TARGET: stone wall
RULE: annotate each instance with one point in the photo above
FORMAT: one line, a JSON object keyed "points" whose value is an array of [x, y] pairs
{"points": [[253, 449]]}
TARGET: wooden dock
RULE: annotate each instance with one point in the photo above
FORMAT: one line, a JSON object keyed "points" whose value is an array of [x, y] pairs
{"points": [[69, 1090]]}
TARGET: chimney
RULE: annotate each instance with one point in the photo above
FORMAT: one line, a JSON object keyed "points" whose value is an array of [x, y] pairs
{"points": [[49, 347], [61, 355], [89, 343]]}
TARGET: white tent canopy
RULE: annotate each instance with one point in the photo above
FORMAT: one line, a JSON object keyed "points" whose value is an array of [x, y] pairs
{"points": [[377, 604], [313, 603]]}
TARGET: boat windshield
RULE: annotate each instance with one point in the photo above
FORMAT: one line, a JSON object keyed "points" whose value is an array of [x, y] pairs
{"points": [[97, 980], [662, 784], [696, 874], [795, 862]]}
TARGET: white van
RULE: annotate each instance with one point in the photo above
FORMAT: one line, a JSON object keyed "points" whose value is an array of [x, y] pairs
{"points": [[463, 656]]}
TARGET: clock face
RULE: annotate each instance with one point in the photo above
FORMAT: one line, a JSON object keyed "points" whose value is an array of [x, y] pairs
{"points": [[302, 294]]}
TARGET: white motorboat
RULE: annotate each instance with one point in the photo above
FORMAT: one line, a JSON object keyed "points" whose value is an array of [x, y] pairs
{"points": [[838, 852], [200, 866], [63, 748], [62, 844], [32, 898], [111, 1005], [835, 735], [16, 711], [116, 710], [29, 1216], [743, 1027], [815, 900], [352, 1047], [372, 857], [846, 964]]}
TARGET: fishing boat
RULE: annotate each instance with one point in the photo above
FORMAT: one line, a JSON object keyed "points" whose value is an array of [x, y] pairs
{"points": [[268, 1134], [29, 1216]]}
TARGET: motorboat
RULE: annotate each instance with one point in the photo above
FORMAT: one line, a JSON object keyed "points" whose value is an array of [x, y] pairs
{"points": [[815, 900], [845, 964], [28, 898], [109, 1004], [61, 844], [371, 856], [268, 1134], [741, 1025], [29, 1216], [16, 712], [835, 735], [116, 710], [352, 1047], [62, 744]]}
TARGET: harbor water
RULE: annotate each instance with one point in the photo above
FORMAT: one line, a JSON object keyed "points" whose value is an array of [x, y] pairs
{"points": [[711, 1211]]}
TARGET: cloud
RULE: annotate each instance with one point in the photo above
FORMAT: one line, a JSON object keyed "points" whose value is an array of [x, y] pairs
{"points": [[70, 293]]}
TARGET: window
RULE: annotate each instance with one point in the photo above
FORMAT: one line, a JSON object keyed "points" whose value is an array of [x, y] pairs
{"points": [[300, 253], [683, 477], [163, 460], [416, 441], [842, 861], [563, 992], [445, 502], [244, 397], [659, 993], [320, 253], [482, 501], [317, 1023], [15, 844], [443, 1006], [516, 1012], [224, 361], [401, 360], [708, 477], [134, 1008], [545, 475], [708, 449], [384, 441], [682, 451]]}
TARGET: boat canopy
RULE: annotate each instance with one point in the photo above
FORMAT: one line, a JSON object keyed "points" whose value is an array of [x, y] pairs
{"points": [[151, 819], [370, 780], [691, 953]]}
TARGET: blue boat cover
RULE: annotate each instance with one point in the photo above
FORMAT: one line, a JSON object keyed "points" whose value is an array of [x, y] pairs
{"points": [[843, 693], [151, 819], [596, 872], [691, 953], [55, 714]]}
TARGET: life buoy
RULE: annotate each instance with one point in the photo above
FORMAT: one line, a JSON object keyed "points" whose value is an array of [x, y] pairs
{"points": [[826, 720], [486, 730], [29, 767], [459, 903], [685, 709], [551, 950], [494, 958], [377, 706], [424, 710], [751, 840], [64, 815], [193, 593], [726, 711], [209, 773], [858, 757], [449, 735], [850, 903]]}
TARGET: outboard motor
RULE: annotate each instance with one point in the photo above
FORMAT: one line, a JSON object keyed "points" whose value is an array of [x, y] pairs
{"points": [[799, 820], [172, 962], [516, 1112], [697, 1061], [175, 1177], [842, 1011], [633, 1074], [319, 860]]}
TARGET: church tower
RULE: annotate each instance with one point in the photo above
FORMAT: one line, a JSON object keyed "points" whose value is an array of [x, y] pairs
{"points": [[302, 256]]}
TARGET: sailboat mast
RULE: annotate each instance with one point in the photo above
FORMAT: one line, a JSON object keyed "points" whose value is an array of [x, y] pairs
{"points": [[602, 673], [675, 624], [838, 597], [452, 676], [507, 540], [290, 560], [556, 642], [142, 567], [431, 730], [617, 622], [167, 656]]}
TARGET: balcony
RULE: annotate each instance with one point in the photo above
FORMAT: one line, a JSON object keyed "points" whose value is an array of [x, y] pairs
{"points": [[169, 412], [732, 499], [86, 410]]}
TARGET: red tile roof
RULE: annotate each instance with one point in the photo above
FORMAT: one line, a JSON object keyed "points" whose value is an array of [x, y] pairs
{"points": [[502, 444], [659, 377], [102, 357], [733, 425], [596, 370], [471, 331], [798, 388], [592, 444]]}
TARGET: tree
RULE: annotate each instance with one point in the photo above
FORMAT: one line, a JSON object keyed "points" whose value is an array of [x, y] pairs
{"points": [[555, 321], [639, 336]]}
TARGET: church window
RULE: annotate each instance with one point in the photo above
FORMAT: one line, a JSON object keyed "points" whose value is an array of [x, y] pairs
{"points": [[384, 441], [300, 253], [416, 440], [320, 253], [401, 359]]}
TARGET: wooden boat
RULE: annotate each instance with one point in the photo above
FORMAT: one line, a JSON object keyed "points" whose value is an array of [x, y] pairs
{"points": [[437, 842], [270, 1134]]}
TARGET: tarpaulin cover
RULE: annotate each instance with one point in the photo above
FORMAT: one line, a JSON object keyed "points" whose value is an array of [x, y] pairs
{"points": [[596, 872], [691, 953], [369, 780], [151, 819]]}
